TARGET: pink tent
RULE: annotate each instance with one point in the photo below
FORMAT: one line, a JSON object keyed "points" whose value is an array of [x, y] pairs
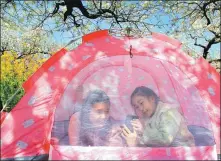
{"points": [[104, 62]]}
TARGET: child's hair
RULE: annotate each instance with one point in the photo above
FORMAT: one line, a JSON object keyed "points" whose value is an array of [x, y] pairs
{"points": [[144, 91]]}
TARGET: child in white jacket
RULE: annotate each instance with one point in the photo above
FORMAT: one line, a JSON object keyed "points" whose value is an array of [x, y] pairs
{"points": [[160, 124]]}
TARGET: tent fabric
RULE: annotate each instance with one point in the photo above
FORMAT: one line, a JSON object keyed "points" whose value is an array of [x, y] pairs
{"points": [[103, 62], [124, 153], [3, 115]]}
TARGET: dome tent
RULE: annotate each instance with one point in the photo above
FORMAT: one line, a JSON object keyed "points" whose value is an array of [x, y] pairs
{"points": [[103, 61]]}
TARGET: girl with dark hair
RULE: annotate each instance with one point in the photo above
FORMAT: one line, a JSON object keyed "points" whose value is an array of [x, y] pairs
{"points": [[96, 127], [159, 124]]}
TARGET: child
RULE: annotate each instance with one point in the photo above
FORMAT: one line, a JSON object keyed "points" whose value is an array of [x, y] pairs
{"points": [[160, 124], [93, 126]]}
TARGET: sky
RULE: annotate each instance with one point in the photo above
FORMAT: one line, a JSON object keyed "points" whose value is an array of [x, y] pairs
{"points": [[65, 37]]}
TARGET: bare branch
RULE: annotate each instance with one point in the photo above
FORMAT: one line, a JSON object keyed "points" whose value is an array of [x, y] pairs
{"points": [[215, 60], [206, 47], [78, 4]]}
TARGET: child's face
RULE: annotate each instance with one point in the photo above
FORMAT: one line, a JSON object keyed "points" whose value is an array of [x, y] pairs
{"points": [[99, 114], [143, 105]]}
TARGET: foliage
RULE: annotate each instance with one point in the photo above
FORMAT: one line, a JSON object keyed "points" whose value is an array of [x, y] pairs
{"points": [[22, 52], [26, 42], [14, 72], [196, 20]]}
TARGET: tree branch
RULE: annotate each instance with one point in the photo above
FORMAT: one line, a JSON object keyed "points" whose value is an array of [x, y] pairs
{"points": [[32, 53], [70, 4], [215, 60], [207, 47]]}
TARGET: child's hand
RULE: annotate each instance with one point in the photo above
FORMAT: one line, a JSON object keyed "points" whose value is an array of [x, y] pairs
{"points": [[137, 126], [130, 137]]}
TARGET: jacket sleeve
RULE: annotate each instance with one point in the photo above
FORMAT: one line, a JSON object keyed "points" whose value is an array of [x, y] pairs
{"points": [[165, 132]]}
